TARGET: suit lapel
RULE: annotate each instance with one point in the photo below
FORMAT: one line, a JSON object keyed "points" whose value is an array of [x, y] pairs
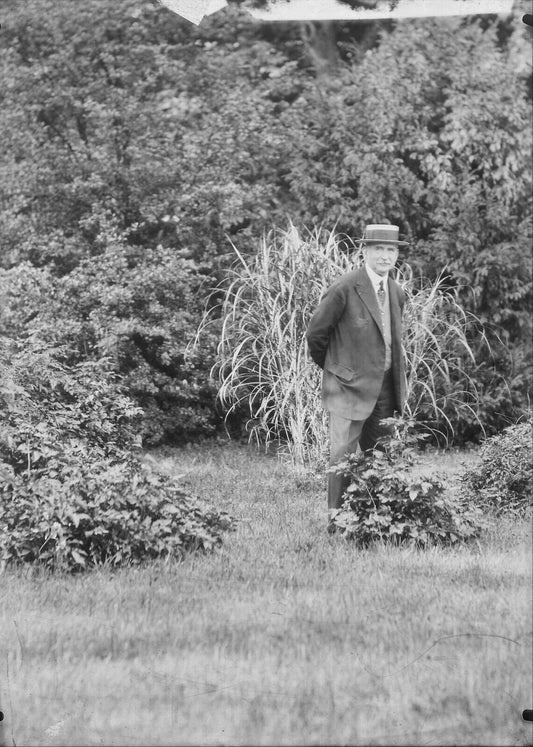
{"points": [[363, 286], [395, 310]]}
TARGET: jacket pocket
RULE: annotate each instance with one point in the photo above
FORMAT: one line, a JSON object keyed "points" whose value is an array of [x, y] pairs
{"points": [[341, 372]]}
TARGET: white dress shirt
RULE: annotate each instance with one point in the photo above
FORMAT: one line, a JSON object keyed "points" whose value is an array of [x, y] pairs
{"points": [[377, 279]]}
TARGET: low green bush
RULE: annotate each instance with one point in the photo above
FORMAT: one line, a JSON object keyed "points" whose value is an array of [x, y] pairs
{"points": [[99, 511], [387, 501], [503, 481], [74, 492]]}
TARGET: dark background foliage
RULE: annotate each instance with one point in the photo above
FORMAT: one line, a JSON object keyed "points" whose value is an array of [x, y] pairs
{"points": [[503, 481], [136, 145], [74, 491]]}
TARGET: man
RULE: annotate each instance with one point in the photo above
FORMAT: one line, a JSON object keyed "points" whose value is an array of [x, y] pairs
{"points": [[355, 337]]}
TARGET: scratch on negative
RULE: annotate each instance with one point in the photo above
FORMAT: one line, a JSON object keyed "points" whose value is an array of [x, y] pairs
{"points": [[442, 638]]}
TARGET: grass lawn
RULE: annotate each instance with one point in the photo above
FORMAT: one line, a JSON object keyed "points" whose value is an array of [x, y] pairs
{"points": [[286, 635]]}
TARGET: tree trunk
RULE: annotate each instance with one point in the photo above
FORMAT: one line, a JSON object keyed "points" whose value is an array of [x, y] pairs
{"points": [[320, 43]]}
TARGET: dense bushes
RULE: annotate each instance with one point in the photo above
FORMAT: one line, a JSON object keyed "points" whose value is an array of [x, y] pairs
{"points": [[387, 501], [503, 482], [99, 510], [390, 499], [135, 307], [73, 489], [123, 124]]}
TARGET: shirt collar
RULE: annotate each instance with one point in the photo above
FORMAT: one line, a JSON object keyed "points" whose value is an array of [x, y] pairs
{"points": [[376, 279]]}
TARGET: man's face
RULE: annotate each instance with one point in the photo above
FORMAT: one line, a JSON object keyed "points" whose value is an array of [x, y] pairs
{"points": [[381, 258]]}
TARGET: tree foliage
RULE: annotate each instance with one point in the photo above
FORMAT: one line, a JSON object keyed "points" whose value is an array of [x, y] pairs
{"points": [[135, 144], [135, 308]]}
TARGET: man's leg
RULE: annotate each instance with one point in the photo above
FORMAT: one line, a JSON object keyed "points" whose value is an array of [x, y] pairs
{"points": [[344, 436], [384, 408]]}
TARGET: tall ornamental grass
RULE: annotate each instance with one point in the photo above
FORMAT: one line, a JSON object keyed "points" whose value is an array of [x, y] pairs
{"points": [[439, 358], [262, 360]]}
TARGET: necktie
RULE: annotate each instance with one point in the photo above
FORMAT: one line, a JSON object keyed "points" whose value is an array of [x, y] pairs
{"points": [[381, 294]]}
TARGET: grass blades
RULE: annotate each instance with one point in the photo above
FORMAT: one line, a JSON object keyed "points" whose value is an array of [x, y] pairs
{"points": [[438, 354], [284, 636]]}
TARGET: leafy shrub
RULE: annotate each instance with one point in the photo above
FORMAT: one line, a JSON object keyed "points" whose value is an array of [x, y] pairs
{"points": [[73, 489], [24, 290], [101, 510], [385, 501], [52, 411], [138, 309], [503, 481]]}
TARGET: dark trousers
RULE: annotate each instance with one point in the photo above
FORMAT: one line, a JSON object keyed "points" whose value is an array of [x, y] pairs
{"points": [[346, 435]]}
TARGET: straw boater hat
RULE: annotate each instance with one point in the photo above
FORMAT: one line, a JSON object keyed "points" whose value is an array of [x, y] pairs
{"points": [[382, 233]]}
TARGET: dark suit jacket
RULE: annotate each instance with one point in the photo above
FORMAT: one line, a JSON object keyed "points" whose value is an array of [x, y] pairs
{"points": [[345, 338]]}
